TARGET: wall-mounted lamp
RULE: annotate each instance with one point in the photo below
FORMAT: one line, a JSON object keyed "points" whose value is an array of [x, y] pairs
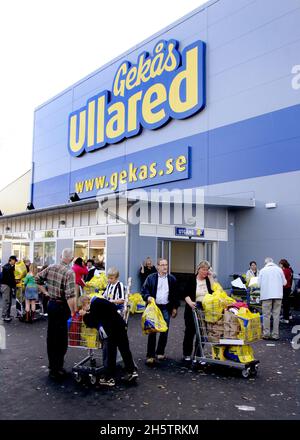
{"points": [[74, 197], [62, 222], [29, 206], [271, 205], [7, 228]]}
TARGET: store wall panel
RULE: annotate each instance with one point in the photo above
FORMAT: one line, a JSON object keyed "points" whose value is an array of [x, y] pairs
{"points": [[116, 255]]}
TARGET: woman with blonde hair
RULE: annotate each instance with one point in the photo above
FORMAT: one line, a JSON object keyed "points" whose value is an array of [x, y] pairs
{"points": [[195, 290], [31, 292]]}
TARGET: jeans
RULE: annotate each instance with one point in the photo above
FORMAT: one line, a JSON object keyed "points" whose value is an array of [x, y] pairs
{"points": [[112, 343], [57, 335], [163, 337], [6, 300]]}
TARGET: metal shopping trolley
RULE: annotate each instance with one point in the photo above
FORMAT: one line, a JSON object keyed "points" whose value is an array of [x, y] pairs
{"points": [[212, 350], [91, 367]]}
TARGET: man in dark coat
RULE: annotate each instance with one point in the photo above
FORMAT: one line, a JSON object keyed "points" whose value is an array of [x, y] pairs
{"points": [[162, 287], [8, 283]]}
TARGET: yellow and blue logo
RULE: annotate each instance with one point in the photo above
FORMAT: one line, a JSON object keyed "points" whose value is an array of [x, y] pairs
{"points": [[166, 85]]}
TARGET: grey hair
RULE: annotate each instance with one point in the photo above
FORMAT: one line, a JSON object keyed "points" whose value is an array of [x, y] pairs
{"points": [[203, 263], [67, 253], [268, 260], [113, 272]]}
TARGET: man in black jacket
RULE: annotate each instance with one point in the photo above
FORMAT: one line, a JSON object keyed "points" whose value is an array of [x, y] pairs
{"points": [[163, 288], [100, 312], [8, 283]]}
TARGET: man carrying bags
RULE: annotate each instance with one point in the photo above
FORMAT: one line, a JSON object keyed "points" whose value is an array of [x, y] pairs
{"points": [[162, 287]]}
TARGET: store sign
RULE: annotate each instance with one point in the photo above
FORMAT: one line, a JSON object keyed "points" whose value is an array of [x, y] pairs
{"points": [[189, 232], [167, 84]]}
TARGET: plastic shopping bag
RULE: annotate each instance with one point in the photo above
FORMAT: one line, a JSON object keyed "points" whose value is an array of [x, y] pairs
{"points": [[215, 303], [250, 325], [98, 282], [153, 320], [20, 270], [239, 353]]}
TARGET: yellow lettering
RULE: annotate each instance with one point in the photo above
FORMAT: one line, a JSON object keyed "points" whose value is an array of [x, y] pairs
{"points": [[114, 181], [170, 167], [91, 124], [156, 65], [189, 77], [132, 173], [149, 103], [100, 119], [132, 111], [119, 85], [143, 174], [130, 78], [100, 182], [116, 125], [180, 163], [170, 62], [74, 143], [143, 69], [89, 185], [153, 170], [123, 177]]}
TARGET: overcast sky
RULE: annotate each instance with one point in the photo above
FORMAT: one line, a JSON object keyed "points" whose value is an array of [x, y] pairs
{"points": [[47, 45]]}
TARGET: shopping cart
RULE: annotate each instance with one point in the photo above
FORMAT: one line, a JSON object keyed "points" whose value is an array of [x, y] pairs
{"points": [[91, 367], [213, 353]]}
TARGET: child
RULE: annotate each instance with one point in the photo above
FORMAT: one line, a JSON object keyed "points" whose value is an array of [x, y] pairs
{"points": [[114, 291], [31, 292], [101, 312]]}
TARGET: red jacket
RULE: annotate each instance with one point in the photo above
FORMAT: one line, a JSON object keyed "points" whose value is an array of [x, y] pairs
{"points": [[79, 273], [288, 276]]}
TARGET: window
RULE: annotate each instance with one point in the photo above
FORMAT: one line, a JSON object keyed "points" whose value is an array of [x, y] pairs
{"points": [[21, 250], [94, 249], [44, 253]]}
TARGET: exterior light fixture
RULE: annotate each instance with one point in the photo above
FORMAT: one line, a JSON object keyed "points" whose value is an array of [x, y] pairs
{"points": [[29, 206], [74, 197]]}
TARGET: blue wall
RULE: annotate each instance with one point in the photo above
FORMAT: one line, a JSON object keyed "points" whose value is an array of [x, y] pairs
{"points": [[251, 107]]}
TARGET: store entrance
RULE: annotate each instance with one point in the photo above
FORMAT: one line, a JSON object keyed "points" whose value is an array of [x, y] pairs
{"points": [[184, 256]]}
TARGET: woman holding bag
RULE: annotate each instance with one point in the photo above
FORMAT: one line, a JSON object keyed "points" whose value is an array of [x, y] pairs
{"points": [[195, 290]]}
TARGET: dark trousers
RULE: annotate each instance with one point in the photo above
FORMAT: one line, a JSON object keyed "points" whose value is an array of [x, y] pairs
{"points": [[286, 302], [112, 343], [57, 335], [189, 334], [163, 337], [6, 300]]}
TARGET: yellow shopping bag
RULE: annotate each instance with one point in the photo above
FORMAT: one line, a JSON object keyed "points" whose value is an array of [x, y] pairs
{"points": [[250, 325], [98, 282], [153, 320], [215, 303], [136, 303], [239, 353], [20, 270], [89, 337]]}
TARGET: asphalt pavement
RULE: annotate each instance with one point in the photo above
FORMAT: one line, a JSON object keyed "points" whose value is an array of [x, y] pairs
{"points": [[169, 391]]}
